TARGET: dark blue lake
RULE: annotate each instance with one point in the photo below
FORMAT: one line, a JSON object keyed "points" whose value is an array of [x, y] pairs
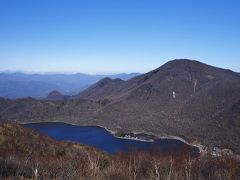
{"points": [[102, 139]]}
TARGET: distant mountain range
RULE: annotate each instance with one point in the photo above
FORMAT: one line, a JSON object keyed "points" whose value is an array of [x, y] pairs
{"points": [[184, 98], [19, 85]]}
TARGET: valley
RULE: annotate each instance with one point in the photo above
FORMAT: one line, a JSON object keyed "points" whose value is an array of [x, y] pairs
{"points": [[204, 109]]}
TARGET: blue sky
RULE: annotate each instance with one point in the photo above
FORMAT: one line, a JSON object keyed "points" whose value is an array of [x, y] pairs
{"points": [[112, 36]]}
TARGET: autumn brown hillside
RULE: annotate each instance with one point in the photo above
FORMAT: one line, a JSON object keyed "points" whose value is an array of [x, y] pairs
{"points": [[23, 152]]}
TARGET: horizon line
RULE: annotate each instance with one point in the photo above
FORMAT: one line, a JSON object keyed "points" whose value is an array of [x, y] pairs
{"points": [[64, 73]]}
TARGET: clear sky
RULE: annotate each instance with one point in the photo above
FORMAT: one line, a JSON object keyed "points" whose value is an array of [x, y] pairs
{"points": [[112, 36]]}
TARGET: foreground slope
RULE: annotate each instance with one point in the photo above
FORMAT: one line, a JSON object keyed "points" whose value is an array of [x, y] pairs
{"points": [[184, 98], [25, 154]]}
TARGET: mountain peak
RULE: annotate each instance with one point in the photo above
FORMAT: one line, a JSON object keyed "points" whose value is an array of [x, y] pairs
{"points": [[54, 92], [193, 68], [106, 79], [179, 63], [55, 96], [103, 88]]}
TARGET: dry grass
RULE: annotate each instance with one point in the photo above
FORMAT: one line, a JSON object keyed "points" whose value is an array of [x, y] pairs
{"points": [[24, 151], [133, 166]]}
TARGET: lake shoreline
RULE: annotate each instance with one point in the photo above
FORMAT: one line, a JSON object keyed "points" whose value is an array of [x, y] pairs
{"points": [[199, 146], [90, 125]]}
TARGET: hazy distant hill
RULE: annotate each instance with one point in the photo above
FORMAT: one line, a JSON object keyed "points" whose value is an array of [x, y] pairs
{"points": [[18, 85], [183, 98]]}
